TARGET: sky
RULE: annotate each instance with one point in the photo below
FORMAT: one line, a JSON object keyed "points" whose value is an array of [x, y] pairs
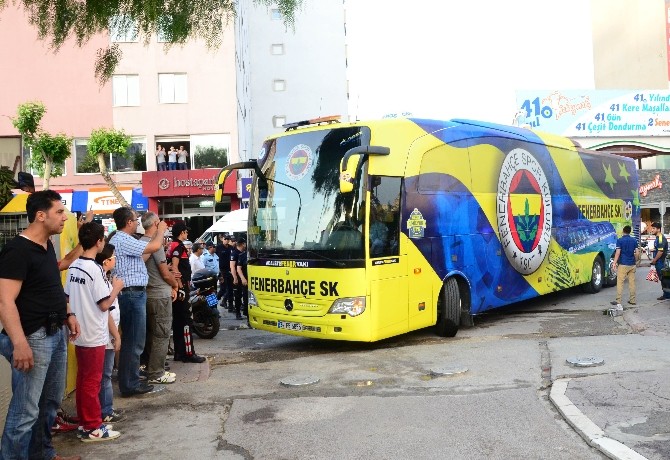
{"points": [[467, 59]]}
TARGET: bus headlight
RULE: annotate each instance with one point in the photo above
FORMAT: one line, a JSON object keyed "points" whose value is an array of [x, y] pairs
{"points": [[252, 299], [352, 306]]}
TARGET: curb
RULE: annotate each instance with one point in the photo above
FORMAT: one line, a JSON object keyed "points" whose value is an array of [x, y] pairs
{"points": [[588, 430]]}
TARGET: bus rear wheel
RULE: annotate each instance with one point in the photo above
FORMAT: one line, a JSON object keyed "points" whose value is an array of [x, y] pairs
{"points": [[597, 276], [449, 313]]}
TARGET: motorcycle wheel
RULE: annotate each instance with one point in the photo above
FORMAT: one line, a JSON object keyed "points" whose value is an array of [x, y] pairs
{"points": [[206, 328]]}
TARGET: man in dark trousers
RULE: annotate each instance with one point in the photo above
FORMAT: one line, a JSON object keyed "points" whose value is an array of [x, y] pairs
{"points": [[242, 287], [234, 253], [660, 252], [226, 290], [181, 315]]}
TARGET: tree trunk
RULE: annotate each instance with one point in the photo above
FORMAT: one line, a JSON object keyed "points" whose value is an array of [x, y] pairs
{"points": [[48, 166], [110, 182]]}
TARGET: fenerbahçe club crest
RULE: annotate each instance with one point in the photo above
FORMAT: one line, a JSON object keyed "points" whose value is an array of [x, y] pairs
{"points": [[524, 211]]}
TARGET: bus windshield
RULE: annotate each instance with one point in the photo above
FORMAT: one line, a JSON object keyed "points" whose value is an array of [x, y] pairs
{"points": [[300, 213]]}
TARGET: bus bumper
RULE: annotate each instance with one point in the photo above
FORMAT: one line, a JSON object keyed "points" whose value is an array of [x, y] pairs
{"points": [[329, 327]]}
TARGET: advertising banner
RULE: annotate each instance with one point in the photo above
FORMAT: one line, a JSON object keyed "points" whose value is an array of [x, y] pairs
{"points": [[595, 113]]}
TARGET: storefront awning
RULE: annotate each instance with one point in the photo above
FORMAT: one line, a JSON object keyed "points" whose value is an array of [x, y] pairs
{"points": [[102, 201], [16, 205]]}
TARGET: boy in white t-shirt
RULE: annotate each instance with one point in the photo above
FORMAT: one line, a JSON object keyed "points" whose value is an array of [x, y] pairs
{"points": [[107, 260], [90, 299]]}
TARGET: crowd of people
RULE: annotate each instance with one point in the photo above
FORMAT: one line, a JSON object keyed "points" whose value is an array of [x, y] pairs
{"points": [[171, 160], [123, 298]]}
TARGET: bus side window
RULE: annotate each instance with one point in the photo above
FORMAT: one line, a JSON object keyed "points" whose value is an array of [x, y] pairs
{"points": [[384, 222]]}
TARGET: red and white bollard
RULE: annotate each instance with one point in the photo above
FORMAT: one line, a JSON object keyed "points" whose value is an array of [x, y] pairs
{"points": [[187, 341]]}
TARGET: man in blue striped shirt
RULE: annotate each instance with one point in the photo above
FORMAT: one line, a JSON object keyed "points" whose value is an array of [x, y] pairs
{"points": [[131, 269]]}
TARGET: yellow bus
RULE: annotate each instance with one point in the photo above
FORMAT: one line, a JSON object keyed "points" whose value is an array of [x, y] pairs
{"points": [[366, 230]]}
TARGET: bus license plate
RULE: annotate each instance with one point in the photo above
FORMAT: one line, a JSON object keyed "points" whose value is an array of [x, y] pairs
{"points": [[289, 325], [212, 300]]}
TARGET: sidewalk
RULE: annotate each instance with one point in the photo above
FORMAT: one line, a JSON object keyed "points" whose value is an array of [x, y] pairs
{"points": [[621, 407]]}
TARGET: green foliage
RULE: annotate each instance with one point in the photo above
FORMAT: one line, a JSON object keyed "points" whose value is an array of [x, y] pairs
{"points": [[210, 157], [7, 183], [43, 145], [89, 164], [27, 121], [108, 141], [139, 161], [57, 147], [176, 20]]}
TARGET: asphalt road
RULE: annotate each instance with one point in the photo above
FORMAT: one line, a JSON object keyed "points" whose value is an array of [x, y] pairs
{"points": [[389, 400]]}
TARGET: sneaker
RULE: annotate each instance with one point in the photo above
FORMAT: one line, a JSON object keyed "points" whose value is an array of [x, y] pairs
{"points": [[61, 426], [661, 298], [100, 434], [614, 302], [113, 417], [167, 377], [631, 303], [81, 432]]}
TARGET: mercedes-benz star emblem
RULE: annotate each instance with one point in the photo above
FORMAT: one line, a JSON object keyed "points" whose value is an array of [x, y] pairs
{"points": [[288, 304]]}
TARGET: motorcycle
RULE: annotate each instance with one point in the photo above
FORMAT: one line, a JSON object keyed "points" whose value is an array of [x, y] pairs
{"points": [[203, 303]]}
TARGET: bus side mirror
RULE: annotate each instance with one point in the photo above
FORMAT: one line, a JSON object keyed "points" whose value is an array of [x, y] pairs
{"points": [[348, 171]]}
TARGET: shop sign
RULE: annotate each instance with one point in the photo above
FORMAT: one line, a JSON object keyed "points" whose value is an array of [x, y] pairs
{"points": [[656, 183], [182, 183], [594, 113]]}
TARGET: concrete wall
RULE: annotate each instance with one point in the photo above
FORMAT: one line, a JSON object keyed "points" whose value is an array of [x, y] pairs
{"points": [[629, 49], [211, 107], [313, 66]]}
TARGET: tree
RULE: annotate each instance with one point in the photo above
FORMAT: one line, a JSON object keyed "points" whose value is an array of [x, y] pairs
{"points": [[177, 21], [101, 144], [210, 157], [49, 152]]}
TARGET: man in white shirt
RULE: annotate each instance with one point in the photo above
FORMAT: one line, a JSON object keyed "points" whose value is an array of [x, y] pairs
{"points": [[194, 258]]}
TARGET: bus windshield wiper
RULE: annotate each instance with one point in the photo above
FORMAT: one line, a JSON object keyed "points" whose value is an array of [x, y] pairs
{"points": [[337, 263]]}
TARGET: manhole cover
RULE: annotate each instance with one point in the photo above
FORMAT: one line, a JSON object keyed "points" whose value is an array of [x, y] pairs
{"points": [[446, 371], [299, 380], [588, 361]]}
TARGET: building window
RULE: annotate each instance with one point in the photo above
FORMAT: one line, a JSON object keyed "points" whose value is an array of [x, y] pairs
{"points": [[277, 49], [279, 85], [278, 121], [126, 90], [276, 15], [135, 159], [172, 88], [122, 29], [38, 170]]}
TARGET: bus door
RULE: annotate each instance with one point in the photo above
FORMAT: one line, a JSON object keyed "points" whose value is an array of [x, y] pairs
{"points": [[387, 268]]}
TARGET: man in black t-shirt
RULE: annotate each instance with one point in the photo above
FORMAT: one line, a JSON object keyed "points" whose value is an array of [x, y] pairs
{"points": [[243, 288], [234, 253], [225, 278], [33, 310]]}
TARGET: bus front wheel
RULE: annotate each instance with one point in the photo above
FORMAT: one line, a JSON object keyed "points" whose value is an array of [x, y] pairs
{"points": [[449, 313], [597, 276]]}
